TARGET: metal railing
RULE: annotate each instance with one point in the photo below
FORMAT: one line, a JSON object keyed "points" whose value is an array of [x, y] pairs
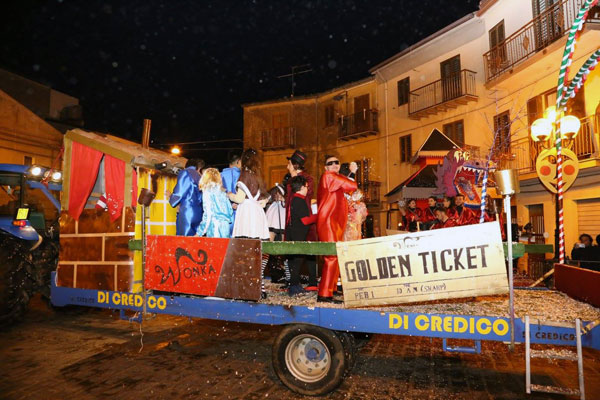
{"points": [[442, 91], [537, 34], [371, 190], [361, 123], [278, 138], [585, 145]]}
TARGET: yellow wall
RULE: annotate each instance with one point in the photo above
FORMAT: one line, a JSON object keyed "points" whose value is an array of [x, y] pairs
{"points": [[161, 216]]}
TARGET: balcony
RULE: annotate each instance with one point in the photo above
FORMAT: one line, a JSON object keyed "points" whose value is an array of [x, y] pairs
{"points": [[278, 138], [357, 125], [371, 190], [524, 151], [442, 95], [536, 35]]}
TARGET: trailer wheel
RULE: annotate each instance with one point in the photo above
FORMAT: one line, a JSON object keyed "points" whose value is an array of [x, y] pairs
{"points": [[308, 359]]}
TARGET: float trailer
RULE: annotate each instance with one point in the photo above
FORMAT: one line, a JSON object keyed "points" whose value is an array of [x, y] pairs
{"points": [[316, 347]]}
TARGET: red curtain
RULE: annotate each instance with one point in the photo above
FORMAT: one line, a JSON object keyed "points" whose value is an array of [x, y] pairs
{"points": [[85, 162], [114, 181]]}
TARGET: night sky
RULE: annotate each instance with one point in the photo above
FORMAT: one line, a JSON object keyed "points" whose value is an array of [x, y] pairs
{"points": [[189, 65]]}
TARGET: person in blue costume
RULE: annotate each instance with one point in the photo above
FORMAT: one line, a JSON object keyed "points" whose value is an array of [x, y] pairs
{"points": [[230, 176], [218, 214], [187, 196]]}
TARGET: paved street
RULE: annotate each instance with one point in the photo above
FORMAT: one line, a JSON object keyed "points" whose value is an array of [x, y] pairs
{"points": [[91, 354]]}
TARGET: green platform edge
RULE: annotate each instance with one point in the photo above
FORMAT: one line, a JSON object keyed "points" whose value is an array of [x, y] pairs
{"points": [[325, 248]]}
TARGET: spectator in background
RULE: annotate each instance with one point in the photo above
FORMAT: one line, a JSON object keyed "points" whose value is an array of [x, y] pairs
{"points": [[188, 197], [583, 252]]}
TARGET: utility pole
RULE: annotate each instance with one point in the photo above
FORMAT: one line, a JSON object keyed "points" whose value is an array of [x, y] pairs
{"points": [[296, 70]]}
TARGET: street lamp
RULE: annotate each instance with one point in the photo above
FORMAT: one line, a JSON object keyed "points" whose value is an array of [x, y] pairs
{"points": [[176, 150], [546, 164]]}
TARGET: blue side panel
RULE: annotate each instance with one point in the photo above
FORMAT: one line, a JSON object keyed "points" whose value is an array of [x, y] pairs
{"points": [[22, 232], [411, 324]]}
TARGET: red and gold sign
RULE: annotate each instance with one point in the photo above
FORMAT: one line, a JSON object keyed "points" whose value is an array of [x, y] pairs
{"points": [[228, 268]]}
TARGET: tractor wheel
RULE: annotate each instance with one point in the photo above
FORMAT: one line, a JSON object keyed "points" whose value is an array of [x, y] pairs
{"points": [[17, 280], [45, 258], [309, 360]]}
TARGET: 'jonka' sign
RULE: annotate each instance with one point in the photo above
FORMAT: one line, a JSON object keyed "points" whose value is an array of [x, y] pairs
{"points": [[441, 264]]}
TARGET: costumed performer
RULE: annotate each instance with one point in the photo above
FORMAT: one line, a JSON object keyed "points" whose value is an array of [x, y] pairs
{"points": [[296, 168], [251, 221], [187, 196], [331, 220], [218, 214], [230, 177]]}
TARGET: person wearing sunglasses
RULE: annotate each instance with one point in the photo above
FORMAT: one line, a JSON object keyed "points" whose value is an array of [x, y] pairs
{"points": [[332, 217]]}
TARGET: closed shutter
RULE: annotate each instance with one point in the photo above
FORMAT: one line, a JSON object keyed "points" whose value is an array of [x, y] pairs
{"points": [[588, 216]]}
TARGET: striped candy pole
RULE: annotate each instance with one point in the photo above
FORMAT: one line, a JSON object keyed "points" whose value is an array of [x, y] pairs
{"points": [[580, 77], [560, 94]]}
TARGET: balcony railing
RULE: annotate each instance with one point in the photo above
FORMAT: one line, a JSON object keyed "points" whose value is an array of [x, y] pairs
{"points": [[442, 94], [540, 32], [363, 123], [278, 138], [585, 145], [371, 190]]}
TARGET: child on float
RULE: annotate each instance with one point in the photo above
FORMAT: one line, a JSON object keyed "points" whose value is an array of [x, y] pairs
{"points": [[250, 220], [301, 218], [276, 217], [218, 214]]}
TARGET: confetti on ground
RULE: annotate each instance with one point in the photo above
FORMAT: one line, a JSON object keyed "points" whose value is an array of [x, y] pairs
{"points": [[546, 305]]}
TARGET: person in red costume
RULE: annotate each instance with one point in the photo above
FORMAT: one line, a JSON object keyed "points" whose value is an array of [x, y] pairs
{"points": [[442, 220], [429, 213], [331, 220], [412, 216], [464, 215]]}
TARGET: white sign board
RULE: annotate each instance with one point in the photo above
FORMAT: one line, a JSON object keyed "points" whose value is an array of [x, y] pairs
{"points": [[447, 263]]}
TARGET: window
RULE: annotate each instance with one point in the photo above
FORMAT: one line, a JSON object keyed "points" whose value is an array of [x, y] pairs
{"points": [[496, 34], [455, 131], [27, 160], [403, 91], [405, 148], [497, 47], [329, 115], [502, 133]]}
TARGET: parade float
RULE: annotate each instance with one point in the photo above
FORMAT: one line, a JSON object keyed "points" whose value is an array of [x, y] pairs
{"points": [[449, 284]]}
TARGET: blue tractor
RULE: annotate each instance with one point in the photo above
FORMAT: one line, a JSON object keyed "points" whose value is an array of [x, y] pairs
{"points": [[29, 227]]}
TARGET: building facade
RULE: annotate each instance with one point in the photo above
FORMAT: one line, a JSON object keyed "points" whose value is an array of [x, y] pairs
{"points": [[480, 81]]}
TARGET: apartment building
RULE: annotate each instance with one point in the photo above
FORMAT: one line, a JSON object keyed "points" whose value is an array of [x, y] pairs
{"points": [[477, 84], [342, 121]]}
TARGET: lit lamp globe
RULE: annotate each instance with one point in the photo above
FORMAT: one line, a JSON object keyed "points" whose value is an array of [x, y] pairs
{"points": [[550, 114], [541, 129], [176, 151], [569, 127]]}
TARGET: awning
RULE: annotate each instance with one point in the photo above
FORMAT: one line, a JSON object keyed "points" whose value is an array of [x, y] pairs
{"points": [[419, 185]]}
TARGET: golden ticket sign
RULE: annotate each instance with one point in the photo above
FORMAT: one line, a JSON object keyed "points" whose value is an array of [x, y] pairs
{"points": [[446, 263]]}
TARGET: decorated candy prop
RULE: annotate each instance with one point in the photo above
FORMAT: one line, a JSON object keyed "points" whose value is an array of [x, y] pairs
{"points": [[545, 166], [561, 96]]}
